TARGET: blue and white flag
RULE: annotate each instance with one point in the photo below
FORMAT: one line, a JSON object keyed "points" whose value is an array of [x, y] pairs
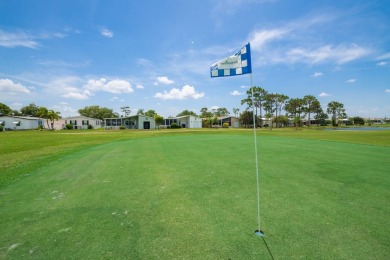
{"points": [[237, 64]]}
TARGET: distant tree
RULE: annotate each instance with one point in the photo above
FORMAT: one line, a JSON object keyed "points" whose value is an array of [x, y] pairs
{"points": [[236, 111], [126, 110], [294, 108], [256, 98], [336, 109], [310, 106], [187, 113], [279, 105], [4, 109], [97, 112], [140, 112], [159, 120], [321, 117], [16, 113], [205, 113], [358, 120], [30, 110], [150, 113], [246, 118], [222, 111], [53, 115]]}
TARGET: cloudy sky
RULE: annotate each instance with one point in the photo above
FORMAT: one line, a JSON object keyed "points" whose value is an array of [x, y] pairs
{"points": [[154, 54]]}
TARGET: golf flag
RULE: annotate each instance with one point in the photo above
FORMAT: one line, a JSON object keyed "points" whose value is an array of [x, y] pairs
{"points": [[237, 64]]}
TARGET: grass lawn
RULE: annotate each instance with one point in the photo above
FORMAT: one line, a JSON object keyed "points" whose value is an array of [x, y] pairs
{"points": [[192, 194]]}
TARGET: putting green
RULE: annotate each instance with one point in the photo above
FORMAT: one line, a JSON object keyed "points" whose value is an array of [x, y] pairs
{"points": [[194, 197]]}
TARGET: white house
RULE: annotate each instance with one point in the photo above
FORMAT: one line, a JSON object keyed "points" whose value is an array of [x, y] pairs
{"points": [[20, 122], [77, 122], [189, 121], [132, 122]]}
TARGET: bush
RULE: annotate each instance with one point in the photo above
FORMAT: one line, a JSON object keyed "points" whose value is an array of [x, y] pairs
{"points": [[69, 126], [122, 127], [174, 125], [1, 128], [225, 125], [90, 127]]}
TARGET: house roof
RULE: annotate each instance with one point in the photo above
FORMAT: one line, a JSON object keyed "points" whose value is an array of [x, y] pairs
{"points": [[22, 117]]}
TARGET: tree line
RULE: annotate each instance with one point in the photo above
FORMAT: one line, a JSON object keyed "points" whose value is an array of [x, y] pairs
{"points": [[271, 106], [279, 109]]}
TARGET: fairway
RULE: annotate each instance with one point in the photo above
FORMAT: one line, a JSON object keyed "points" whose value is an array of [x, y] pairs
{"points": [[193, 196]]}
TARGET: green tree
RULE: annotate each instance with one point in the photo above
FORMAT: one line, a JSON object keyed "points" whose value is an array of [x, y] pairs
{"points": [[222, 111], [150, 113], [310, 106], [159, 120], [53, 115], [30, 110], [256, 98], [204, 113], [358, 120], [187, 113], [236, 111], [246, 118], [294, 108], [97, 112], [336, 110], [4, 109], [140, 112]]}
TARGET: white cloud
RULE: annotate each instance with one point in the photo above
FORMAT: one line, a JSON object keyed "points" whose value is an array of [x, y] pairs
{"points": [[106, 33], [328, 53], [185, 93], [317, 74], [382, 63], [19, 39], [350, 81], [12, 88], [387, 90], [115, 99], [139, 86], [114, 86], [259, 39], [164, 80], [75, 93], [236, 93], [384, 56], [323, 94]]}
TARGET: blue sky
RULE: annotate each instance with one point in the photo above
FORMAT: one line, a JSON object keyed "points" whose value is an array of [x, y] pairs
{"points": [[151, 54]]}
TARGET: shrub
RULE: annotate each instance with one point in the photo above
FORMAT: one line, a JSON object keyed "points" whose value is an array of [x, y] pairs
{"points": [[174, 125], [122, 127], [225, 125], [90, 127], [1, 128], [69, 126]]}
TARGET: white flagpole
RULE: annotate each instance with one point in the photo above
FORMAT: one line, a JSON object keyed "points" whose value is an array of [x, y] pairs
{"points": [[258, 232]]}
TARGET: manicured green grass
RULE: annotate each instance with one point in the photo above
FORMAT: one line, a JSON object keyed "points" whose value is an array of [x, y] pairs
{"points": [[192, 195]]}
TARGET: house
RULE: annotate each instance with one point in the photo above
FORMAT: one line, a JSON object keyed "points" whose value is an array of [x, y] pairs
{"points": [[188, 121], [131, 122], [77, 122], [231, 120], [20, 122]]}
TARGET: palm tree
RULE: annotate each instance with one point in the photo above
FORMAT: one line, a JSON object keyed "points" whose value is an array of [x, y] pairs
{"points": [[43, 112], [51, 115], [235, 111]]}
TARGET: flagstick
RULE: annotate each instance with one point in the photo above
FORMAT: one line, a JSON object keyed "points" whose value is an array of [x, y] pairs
{"points": [[257, 232]]}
